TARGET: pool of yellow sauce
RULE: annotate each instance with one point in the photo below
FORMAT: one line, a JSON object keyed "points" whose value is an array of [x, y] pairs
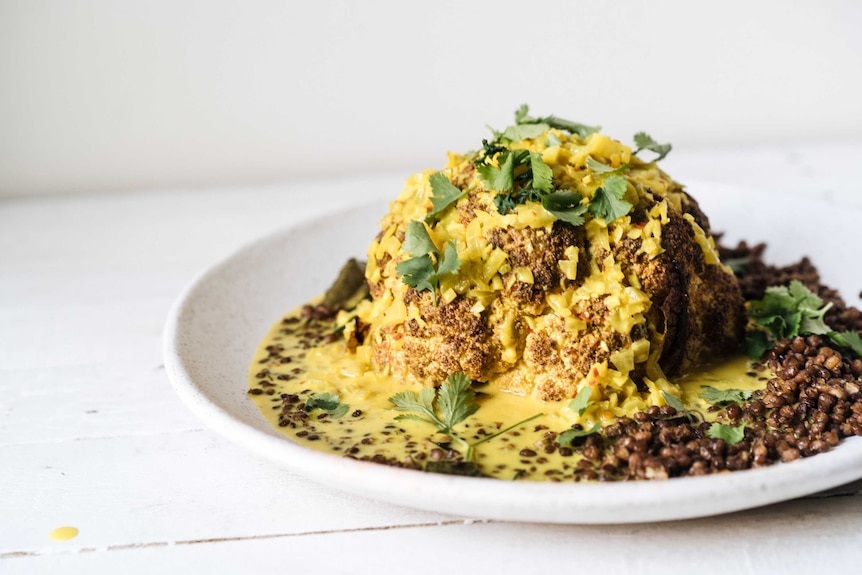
{"points": [[288, 369]]}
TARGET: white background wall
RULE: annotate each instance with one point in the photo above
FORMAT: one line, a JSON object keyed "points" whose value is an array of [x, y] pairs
{"points": [[110, 96]]}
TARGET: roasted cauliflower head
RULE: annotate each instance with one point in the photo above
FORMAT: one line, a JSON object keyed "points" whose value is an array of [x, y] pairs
{"points": [[551, 259]]}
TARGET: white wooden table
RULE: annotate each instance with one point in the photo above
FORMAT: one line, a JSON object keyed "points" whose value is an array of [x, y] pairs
{"points": [[92, 435]]}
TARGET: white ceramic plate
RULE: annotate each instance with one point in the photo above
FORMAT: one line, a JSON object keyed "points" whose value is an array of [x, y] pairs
{"points": [[221, 317]]}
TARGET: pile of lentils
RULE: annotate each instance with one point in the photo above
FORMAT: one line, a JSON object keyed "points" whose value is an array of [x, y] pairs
{"points": [[814, 400]]}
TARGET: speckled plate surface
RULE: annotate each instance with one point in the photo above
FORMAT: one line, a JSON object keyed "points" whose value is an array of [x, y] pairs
{"points": [[220, 318]]}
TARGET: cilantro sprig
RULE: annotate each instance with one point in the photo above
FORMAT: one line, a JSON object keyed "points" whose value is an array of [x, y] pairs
{"points": [[446, 407], [788, 311], [424, 270]]}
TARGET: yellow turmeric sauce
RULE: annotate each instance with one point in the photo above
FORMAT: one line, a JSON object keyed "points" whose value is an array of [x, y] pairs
{"points": [[289, 367]]}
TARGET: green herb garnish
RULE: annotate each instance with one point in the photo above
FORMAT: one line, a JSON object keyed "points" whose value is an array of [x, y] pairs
{"points": [[566, 205], [571, 436], [676, 403], [724, 396], [608, 203], [582, 130], [604, 169], [644, 141], [445, 408], [729, 433], [788, 311], [445, 193], [426, 267], [328, 402], [582, 400]]}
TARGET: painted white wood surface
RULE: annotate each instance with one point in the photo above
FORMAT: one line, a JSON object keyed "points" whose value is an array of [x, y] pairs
{"points": [[91, 434]]}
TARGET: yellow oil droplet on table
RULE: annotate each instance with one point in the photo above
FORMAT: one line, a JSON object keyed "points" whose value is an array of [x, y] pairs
{"points": [[63, 533]]}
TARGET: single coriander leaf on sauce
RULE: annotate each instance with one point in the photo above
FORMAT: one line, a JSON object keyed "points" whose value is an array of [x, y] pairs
{"points": [[724, 396], [731, 434], [444, 194], [455, 400], [328, 402], [644, 141], [570, 436], [582, 400], [607, 203], [565, 205], [420, 403]]}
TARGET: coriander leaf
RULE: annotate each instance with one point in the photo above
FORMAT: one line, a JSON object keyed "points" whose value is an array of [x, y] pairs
{"points": [[582, 400], [504, 203], [449, 262], [445, 194], [644, 141], [582, 130], [757, 343], [724, 396], [489, 150], [553, 140], [502, 179], [565, 205], [422, 402], [521, 114], [849, 339], [600, 168], [421, 271], [674, 401], [787, 311], [731, 434], [543, 175], [328, 402], [417, 272], [524, 131], [417, 241], [607, 203], [455, 399], [570, 436]]}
